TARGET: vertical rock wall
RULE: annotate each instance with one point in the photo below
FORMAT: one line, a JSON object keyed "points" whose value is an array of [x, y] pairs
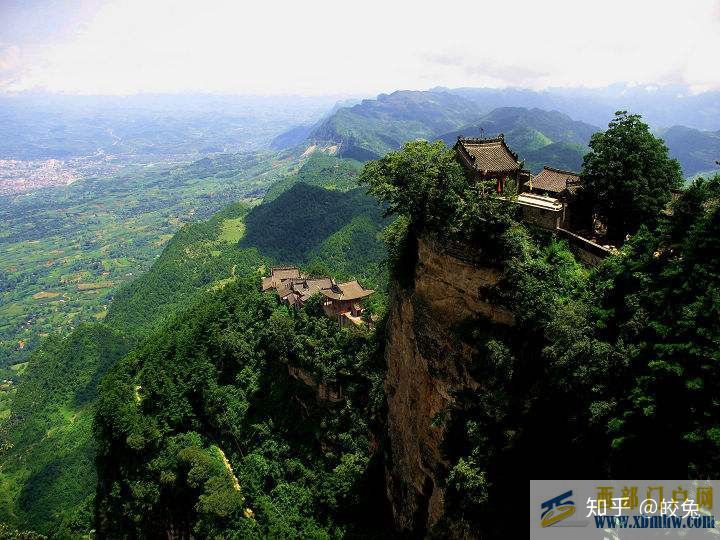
{"points": [[426, 364]]}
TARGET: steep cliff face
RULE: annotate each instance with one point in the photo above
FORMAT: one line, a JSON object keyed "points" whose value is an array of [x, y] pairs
{"points": [[427, 365]]}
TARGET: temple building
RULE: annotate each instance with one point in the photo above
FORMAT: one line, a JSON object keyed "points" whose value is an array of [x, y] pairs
{"points": [[545, 200], [553, 182], [341, 302], [491, 158], [278, 274], [297, 291]]}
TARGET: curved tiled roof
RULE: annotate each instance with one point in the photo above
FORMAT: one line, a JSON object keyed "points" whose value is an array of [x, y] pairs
{"points": [[554, 180], [278, 274], [488, 155], [351, 290]]}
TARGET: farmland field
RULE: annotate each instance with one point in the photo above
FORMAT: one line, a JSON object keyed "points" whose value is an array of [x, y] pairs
{"points": [[64, 251]]}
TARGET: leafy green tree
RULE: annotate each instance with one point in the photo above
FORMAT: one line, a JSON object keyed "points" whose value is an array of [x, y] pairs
{"points": [[628, 175], [423, 181]]}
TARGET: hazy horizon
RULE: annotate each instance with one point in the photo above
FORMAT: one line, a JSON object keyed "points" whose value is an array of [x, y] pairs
{"points": [[616, 88]]}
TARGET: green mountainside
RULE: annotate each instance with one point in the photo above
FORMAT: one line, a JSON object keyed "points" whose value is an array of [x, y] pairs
{"points": [[540, 136], [48, 472], [47, 469], [353, 251], [375, 126], [527, 129], [562, 155], [290, 227], [222, 423], [199, 256], [202, 429], [320, 170]]}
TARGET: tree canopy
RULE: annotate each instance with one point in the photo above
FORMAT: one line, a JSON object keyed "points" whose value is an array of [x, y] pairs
{"points": [[628, 176], [422, 181]]}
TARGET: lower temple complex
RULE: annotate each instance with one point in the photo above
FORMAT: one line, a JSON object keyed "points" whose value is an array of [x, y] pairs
{"points": [[342, 302]]}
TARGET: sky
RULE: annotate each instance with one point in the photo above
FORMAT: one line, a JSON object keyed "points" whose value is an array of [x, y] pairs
{"points": [[361, 47]]}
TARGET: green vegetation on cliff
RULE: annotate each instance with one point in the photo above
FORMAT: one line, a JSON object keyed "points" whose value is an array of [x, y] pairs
{"points": [[596, 361], [199, 256], [202, 429]]}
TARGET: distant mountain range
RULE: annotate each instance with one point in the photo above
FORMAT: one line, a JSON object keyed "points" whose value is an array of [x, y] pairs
{"points": [[660, 106], [52, 126], [541, 137], [696, 150]]}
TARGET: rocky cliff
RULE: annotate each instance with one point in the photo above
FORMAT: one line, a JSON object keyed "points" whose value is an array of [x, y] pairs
{"points": [[426, 367]]}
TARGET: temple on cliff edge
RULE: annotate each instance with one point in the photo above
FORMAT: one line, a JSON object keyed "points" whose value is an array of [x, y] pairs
{"points": [[342, 302], [546, 198]]}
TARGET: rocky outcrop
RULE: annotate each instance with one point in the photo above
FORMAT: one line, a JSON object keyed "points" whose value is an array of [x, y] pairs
{"points": [[330, 391], [427, 365]]}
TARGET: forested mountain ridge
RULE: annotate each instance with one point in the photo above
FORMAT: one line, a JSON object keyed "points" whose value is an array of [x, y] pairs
{"points": [[274, 228], [514, 121], [698, 151], [662, 106], [375, 126], [207, 417], [320, 170], [48, 474], [493, 326]]}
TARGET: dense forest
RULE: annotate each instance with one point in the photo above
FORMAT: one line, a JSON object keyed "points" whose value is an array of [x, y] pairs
{"points": [[212, 389]]}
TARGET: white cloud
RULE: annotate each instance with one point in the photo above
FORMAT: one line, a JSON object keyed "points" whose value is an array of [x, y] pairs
{"points": [[370, 46], [9, 57]]}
